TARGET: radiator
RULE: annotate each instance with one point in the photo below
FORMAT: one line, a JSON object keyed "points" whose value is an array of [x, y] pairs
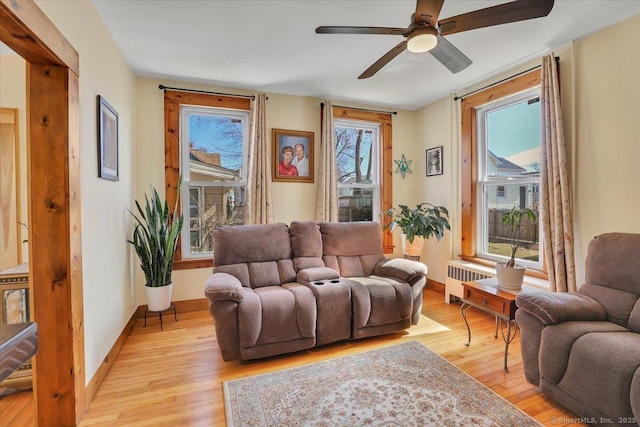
{"points": [[463, 271]]}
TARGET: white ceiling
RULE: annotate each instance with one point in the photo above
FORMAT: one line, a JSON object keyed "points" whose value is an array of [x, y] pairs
{"points": [[271, 46]]}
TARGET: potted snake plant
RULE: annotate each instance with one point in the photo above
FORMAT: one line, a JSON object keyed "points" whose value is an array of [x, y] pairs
{"points": [[510, 275], [417, 225], [155, 238]]}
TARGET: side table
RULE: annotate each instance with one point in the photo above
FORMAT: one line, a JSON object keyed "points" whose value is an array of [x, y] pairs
{"points": [[171, 307], [487, 296]]}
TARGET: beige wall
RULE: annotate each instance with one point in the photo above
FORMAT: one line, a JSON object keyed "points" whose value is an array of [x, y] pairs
{"points": [[109, 294], [292, 201], [13, 95], [600, 87]]}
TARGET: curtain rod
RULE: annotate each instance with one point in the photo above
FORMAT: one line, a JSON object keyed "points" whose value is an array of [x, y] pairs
{"points": [[363, 109], [163, 87], [455, 98]]}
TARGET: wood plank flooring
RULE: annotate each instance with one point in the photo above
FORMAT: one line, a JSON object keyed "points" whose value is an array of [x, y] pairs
{"points": [[174, 377]]}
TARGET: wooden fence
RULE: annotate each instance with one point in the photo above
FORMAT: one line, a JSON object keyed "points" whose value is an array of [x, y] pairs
{"points": [[498, 232]]}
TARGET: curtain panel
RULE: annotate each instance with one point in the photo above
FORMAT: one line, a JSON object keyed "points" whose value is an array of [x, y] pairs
{"points": [[259, 203], [557, 221], [327, 179]]}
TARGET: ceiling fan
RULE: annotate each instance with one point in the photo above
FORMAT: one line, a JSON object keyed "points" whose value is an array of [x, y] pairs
{"points": [[426, 33]]}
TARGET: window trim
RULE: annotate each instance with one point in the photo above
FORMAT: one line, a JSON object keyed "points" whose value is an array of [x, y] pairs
{"points": [[172, 102], [386, 162], [468, 155]]}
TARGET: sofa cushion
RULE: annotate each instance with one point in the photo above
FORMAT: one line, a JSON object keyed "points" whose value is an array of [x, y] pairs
{"points": [[280, 313], [350, 266], [351, 238], [240, 271], [247, 243], [618, 304], [612, 261], [379, 300], [601, 369], [558, 340], [634, 319], [306, 240]]}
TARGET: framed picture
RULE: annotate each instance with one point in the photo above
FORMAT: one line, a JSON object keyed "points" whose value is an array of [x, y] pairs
{"points": [[107, 140], [434, 161], [292, 155]]}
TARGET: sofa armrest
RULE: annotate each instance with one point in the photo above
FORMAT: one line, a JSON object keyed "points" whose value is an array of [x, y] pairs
{"points": [[401, 268], [553, 307], [312, 274], [223, 287]]}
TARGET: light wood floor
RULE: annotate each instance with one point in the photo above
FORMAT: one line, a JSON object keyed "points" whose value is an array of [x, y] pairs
{"points": [[174, 377]]}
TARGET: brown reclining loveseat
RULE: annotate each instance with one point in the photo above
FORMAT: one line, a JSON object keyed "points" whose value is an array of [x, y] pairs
{"points": [[277, 289]]}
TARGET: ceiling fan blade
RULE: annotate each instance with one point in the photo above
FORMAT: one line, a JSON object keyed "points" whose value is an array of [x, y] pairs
{"points": [[384, 60], [450, 56], [514, 11], [428, 11], [361, 30]]}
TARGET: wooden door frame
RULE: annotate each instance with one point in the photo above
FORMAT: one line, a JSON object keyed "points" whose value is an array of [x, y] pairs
{"points": [[53, 193]]}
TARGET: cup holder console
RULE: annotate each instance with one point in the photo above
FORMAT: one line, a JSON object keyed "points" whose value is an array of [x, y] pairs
{"points": [[324, 282]]}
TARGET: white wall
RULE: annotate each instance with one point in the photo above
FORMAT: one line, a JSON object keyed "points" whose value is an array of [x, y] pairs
{"points": [[109, 297]]}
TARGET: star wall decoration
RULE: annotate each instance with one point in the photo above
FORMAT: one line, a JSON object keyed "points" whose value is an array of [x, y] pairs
{"points": [[403, 166]]}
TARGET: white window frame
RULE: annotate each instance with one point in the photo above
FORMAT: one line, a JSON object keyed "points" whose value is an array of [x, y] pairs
{"points": [[185, 111], [375, 161], [484, 181]]}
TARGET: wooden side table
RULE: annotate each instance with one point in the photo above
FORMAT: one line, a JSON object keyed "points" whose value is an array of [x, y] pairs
{"points": [[487, 296]]}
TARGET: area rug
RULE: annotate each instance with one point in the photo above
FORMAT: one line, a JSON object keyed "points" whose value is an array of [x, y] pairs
{"points": [[401, 385]]}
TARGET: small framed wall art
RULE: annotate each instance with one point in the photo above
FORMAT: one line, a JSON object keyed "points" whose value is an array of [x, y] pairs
{"points": [[292, 155], [434, 161], [107, 140]]}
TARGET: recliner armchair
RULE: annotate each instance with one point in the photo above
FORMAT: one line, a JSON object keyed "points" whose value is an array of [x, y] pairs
{"points": [[583, 349]]}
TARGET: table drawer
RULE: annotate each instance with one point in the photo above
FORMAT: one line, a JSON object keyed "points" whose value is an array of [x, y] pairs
{"points": [[487, 300]]}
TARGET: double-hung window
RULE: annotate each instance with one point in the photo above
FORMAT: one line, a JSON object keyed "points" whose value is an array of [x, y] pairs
{"points": [[213, 143], [508, 163], [363, 157], [501, 148], [357, 161]]}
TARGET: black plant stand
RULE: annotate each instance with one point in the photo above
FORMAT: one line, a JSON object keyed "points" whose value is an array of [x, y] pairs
{"points": [[171, 307]]}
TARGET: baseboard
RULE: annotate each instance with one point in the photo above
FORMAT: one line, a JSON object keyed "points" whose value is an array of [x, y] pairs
{"points": [[200, 304], [435, 286]]}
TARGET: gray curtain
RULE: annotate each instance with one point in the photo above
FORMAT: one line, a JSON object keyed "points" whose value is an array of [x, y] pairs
{"points": [[557, 222], [259, 205], [327, 178]]}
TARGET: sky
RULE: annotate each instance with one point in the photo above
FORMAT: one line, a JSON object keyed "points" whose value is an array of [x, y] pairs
{"points": [[514, 130]]}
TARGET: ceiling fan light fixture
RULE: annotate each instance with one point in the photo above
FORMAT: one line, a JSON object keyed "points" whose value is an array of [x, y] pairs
{"points": [[422, 40]]}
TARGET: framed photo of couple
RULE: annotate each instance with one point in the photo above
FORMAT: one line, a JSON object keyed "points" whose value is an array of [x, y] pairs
{"points": [[292, 155]]}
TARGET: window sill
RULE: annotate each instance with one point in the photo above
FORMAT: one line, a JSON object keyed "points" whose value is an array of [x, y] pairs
{"points": [[536, 278], [187, 264]]}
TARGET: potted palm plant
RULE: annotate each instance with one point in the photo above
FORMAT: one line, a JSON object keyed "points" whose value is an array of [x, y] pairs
{"points": [[155, 238], [417, 225], [510, 275]]}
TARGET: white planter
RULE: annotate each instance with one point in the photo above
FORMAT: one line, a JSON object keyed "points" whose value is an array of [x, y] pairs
{"points": [[412, 249], [510, 277], [159, 298]]}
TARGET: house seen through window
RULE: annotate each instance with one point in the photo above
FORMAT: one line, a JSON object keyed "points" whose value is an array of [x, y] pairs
{"points": [[357, 159], [508, 163], [213, 145]]}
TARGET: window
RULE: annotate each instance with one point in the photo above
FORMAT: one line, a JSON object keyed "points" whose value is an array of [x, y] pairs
{"points": [[501, 140], [213, 144], [363, 157], [357, 159], [206, 139]]}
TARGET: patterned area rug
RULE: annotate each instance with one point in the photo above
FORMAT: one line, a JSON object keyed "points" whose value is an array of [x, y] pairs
{"points": [[401, 385]]}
